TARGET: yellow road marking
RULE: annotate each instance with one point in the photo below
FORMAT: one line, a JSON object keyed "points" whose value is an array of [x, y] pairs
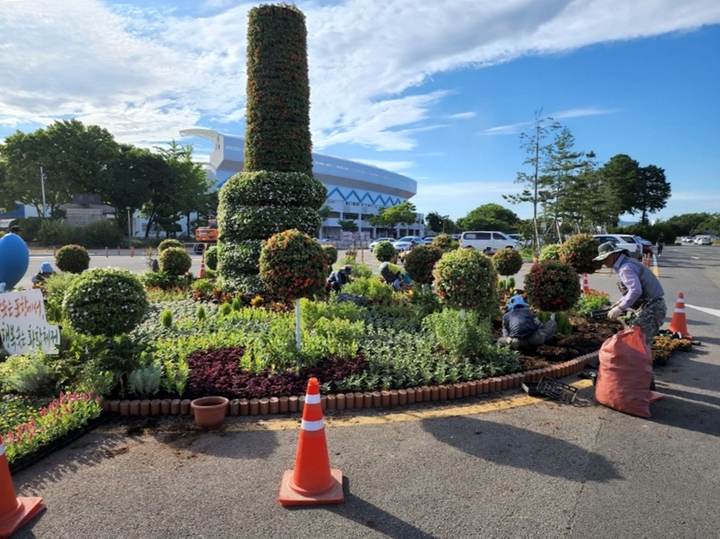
{"points": [[495, 405]]}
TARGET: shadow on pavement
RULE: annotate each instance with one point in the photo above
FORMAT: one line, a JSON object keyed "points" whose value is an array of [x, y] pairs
{"points": [[374, 518], [508, 445], [674, 411]]}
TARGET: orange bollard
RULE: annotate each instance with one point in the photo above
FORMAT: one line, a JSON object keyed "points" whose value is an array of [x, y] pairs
{"points": [[678, 324], [312, 482], [14, 512], [132, 251], [201, 275]]}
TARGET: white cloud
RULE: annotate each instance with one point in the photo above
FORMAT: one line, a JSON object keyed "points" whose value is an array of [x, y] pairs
{"points": [[147, 73], [462, 115]]}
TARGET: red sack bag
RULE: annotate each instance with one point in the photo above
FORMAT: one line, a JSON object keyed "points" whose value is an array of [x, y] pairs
{"points": [[625, 373]]}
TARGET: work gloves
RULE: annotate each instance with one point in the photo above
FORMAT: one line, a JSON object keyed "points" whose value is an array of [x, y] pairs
{"points": [[615, 313]]}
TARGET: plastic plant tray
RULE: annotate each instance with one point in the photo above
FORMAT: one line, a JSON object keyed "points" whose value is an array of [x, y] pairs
{"points": [[557, 390]]}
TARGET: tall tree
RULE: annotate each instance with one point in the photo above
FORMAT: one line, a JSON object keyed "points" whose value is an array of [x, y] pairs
{"points": [[654, 191], [637, 189], [536, 153]]}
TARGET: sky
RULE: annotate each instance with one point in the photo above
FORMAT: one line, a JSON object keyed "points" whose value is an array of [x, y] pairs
{"points": [[437, 91]]}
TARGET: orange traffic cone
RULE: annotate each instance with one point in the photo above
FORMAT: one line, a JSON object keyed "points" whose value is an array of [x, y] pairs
{"points": [[678, 324], [585, 283], [202, 267], [14, 512], [312, 482]]}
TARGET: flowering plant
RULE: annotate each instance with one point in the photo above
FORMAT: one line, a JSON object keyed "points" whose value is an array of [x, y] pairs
{"points": [[419, 262], [552, 286], [444, 242], [579, 251], [261, 222], [292, 265], [264, 187], [239, 257], [507, 262], [466, 279], [105, 301], [61, 416]]}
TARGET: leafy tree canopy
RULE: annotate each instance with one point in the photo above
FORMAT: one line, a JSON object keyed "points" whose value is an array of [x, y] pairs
{"points": [[489, 217]]}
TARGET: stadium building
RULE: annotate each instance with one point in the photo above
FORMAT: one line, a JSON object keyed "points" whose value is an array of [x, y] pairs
{"points": [[355, 190]]}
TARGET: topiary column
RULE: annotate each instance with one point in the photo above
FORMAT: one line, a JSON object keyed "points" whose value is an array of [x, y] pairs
{"points": [[276, 191]]}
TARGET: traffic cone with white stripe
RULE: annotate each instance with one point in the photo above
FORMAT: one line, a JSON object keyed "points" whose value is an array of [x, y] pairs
{"points": [[312, 482], [585, 283], [678, 324], [14, 512]]}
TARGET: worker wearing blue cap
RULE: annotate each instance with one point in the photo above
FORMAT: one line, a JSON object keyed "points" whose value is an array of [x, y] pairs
{"points": [[521, 328]]}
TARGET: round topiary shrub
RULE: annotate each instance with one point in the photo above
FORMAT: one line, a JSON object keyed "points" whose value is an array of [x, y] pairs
{"points": [[420, 261], [166, 244], [175, 261], [72, 258], [550, 252], [211, 257], [579, 251], [444, 242], [552, 285], [384, 251], [105, 301], [331, 255], [507, 262], [292, 265], [467, 279]]}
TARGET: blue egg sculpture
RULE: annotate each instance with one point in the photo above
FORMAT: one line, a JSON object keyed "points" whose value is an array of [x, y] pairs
{"points": [[14, 260]]}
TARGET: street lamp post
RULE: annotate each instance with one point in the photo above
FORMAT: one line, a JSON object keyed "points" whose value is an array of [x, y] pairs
{"points": [[129, 227]]}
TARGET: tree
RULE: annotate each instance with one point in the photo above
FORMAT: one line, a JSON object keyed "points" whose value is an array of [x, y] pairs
{"points": [[637, 189], [560, 179], [192, 184], [436, 222], [389, 218], [689, 223], [348, 225], [489, 217], [73, 158], [536, 154], [654, 191]]}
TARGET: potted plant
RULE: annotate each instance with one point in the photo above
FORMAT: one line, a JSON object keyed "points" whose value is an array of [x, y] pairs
{"points": [[209, 412]]}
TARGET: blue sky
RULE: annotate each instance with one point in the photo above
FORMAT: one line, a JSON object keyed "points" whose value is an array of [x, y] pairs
{"points": [[437, 92]]}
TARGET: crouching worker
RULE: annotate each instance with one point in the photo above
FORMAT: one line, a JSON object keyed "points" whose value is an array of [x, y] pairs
{"points": [[393, 274], [521, 328], [46, 270], [339, 278]]}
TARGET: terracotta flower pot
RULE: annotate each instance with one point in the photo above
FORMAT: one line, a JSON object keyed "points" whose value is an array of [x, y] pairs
{"points": [[209, 411]]}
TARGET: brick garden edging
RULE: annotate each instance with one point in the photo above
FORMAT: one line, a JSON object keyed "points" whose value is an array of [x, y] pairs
{"points": [[359, 400]]}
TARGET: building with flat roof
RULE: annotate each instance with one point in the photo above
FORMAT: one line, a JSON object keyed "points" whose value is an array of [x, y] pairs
{"points": [[355, 190]]}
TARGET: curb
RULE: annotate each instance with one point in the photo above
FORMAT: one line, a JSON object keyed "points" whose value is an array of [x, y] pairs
{"points": [[355, 401]]}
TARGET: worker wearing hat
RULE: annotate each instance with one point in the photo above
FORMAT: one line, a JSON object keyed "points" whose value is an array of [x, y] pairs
{"points": [[640, 288], [339, 278], [521, 328], [46, 270]]}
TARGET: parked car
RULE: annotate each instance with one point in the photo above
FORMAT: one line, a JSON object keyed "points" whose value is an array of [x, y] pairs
{"points": [[702, 240], [622, 241], [406, 242], [482, 239], [688, 239], [429, 239], [647, 246], [378, 240]]}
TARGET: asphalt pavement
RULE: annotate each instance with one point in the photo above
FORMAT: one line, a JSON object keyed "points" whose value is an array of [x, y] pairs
{"points": [[494, 466]]}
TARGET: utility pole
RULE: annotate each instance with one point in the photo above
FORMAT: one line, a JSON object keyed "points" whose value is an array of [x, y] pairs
{"points": [[42, 184]]}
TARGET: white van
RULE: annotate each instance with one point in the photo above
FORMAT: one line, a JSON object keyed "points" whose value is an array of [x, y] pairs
{"points": [[482, 239], [702, 240]]}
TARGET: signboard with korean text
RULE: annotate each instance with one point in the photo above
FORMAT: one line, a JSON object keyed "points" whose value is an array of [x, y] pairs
{"points": [[23, 326]]}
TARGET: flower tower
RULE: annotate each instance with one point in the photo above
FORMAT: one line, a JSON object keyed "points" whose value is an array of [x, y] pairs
{"points": [[276, 191]]}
